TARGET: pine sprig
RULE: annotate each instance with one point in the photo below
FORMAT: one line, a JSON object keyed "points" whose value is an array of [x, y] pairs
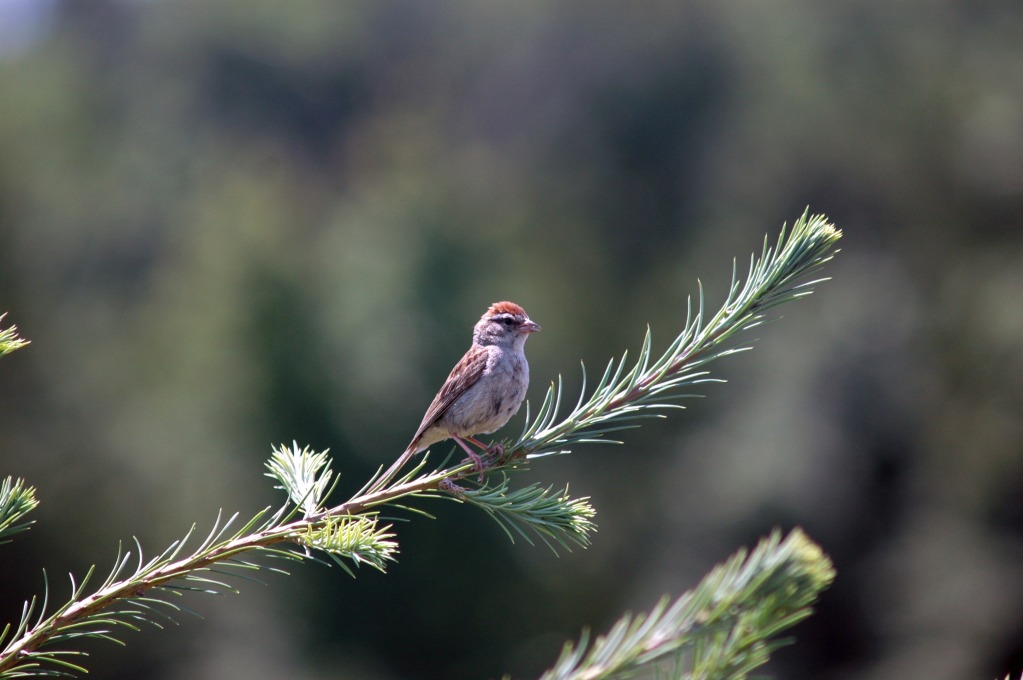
{"points": [[358, 539], [304, 474], [9, 339], [623, 396], [722, 629], [16, 500], [133, 591], [552, 516], [136, 590]]}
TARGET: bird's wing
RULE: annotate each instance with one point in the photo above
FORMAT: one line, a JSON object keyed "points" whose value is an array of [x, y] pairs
{"points": [[464, 375]]}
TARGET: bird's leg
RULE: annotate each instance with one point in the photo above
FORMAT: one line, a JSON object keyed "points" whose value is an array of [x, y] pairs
{"points": [[494, 448], [476, 460]]}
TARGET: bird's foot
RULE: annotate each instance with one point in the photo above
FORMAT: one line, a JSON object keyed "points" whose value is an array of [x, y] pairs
{"points": [[450, 487], [478, 464], [494, 453]]}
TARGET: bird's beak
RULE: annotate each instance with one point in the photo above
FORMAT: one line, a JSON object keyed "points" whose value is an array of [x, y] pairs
{"points": [[529, 327]]}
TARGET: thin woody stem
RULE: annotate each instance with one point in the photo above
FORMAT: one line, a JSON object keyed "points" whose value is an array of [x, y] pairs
{"points": [[266, 539]]}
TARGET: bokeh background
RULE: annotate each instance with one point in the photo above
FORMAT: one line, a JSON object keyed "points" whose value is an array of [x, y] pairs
{"points": [[235, 223]]}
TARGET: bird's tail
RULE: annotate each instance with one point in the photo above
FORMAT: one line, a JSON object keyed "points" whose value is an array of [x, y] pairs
{"points": [[396, 467]]}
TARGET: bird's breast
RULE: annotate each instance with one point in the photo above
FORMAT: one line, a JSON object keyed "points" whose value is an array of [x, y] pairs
{"points": [[495, 397]]}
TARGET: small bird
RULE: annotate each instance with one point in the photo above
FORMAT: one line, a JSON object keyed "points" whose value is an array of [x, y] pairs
{"points": [[484, 389]]}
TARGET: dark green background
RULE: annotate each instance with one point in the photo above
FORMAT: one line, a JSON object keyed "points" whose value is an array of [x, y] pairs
{"points": [[230, 224]]}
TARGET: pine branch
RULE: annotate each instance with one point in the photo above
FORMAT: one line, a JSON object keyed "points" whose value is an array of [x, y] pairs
{"points": [[623, 397], [350, 533], [136, 590], [722, 629]]}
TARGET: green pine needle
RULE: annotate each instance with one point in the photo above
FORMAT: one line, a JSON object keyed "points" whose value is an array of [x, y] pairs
{"points": [[304, 474], [358, 539], [9, 339], [553, 517], [722, 629], [16, 500]]}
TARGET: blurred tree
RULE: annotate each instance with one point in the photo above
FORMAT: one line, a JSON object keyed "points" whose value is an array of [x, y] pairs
{"points": [[181, 183]]}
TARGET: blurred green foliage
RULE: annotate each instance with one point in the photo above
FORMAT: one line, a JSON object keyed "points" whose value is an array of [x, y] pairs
{"points": [[230, 224]]}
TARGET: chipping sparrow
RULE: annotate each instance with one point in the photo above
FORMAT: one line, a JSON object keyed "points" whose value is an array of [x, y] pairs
{"points": [[485, 388]]}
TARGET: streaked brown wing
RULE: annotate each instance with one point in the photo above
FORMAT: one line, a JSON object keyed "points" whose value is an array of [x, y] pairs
{"points": [[463, 376]]}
